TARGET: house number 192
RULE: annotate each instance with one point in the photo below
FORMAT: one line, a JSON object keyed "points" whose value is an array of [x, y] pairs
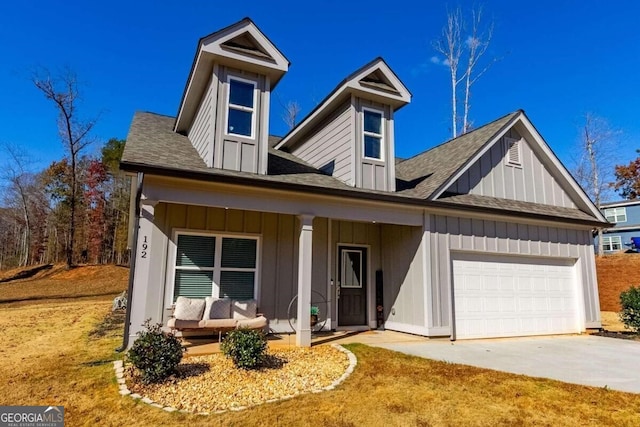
{"points": [[145, 246]]}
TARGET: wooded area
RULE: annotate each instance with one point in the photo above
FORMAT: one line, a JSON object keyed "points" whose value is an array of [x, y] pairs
{"points": [[35, 212]]}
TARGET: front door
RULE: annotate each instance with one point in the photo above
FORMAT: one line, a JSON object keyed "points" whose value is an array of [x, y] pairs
{"points": [[352, 280]]}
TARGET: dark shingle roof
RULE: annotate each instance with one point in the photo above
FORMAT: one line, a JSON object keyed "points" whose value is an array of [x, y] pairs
{"points": [[516, 206], [422, 175], [152, 145]]}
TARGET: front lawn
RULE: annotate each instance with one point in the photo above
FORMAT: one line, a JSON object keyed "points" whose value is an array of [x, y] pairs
{"points": [[59, 352]]}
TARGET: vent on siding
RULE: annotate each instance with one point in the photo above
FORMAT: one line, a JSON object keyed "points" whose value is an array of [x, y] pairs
{"points": [[513, 151]]}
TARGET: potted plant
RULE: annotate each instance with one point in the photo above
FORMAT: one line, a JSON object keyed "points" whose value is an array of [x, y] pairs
{"points": [[315, 311]]}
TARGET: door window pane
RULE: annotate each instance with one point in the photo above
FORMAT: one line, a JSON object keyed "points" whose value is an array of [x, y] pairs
{"points": [[351, 269]]}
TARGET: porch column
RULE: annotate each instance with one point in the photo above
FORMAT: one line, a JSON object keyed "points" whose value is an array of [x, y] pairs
{"points": [[145, 299], [303, 324]]}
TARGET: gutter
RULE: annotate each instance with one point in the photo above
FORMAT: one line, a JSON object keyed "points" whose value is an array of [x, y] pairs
{"points": [[350, 193], [132, 264]]}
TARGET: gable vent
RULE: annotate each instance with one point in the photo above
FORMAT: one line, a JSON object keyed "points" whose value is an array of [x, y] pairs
{"points": [[513, 151]]}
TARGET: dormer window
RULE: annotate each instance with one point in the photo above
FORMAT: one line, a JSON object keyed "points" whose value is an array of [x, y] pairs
{"points": [[372, 134], [241, 107]]}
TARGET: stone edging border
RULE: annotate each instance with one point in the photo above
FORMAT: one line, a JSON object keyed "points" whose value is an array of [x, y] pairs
{"points": [[118, 366]]}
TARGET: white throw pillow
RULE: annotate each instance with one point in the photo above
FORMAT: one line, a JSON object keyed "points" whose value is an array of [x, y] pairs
{"points": [[188, 309], [245, 309], [217, 308]]}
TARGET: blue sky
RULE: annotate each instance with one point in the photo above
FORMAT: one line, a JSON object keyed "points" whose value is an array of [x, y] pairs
{"points": [[560, 60]]}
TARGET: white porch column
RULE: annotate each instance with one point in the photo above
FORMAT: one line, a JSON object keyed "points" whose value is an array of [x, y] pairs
{"points": [[303, 324], [144, 298]]}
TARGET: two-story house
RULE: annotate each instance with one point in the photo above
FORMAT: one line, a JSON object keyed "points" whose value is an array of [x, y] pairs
{"points": [[625, 217], [486, 235]]}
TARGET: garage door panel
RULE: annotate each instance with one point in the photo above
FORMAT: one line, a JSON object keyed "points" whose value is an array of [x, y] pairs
{"points": [[498, 296]]}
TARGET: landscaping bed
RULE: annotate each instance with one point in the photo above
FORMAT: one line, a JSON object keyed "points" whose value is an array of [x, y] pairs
{"points": [[212, 383]]}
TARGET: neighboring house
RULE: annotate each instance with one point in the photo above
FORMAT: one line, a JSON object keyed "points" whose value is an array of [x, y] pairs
{"points": [[625, 217], [486, 235]]}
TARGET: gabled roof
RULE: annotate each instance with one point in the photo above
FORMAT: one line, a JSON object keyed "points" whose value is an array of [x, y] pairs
{"points": [[425, 173], [153, 147], [374, 80], [242, 45], [431, 173]]}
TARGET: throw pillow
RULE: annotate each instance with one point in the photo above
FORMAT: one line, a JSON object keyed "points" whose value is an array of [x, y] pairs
{"points": [[245, 309], [217, 308], [188, 309]]}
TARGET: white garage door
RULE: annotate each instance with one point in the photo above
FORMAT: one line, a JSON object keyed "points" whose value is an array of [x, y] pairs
{"points": [[498, 296]]}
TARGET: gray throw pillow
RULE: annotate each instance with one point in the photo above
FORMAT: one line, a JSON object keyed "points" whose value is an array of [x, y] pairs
{"points": [[217, 308]]}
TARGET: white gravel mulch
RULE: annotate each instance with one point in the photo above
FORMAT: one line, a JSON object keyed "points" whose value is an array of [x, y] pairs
{"points": [[212, 383]]}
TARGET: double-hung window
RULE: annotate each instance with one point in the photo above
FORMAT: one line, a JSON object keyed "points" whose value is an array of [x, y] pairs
{"points": [[373, 135], [615, 215], [611, 243], [241, 109], [215, 265]]}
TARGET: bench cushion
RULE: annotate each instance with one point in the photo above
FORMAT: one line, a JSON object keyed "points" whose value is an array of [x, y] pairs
{"points": [[189, 308], [217, 308], [259, 322], [245, 309], [174, 323], [219, 324]]}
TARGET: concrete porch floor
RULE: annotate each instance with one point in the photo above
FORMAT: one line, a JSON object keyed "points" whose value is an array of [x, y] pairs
{"points": [[201, 345]]}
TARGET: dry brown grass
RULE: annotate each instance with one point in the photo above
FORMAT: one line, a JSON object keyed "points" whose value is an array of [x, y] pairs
{"points": [[49, 356], [616, 273], [58, 282]]}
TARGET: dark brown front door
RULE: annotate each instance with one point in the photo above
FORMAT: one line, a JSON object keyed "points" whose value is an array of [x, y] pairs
{"points": [[352, 277]]}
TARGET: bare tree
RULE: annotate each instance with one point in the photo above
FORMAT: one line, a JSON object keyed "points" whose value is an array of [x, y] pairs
{"points": [[594, 168], [290, 114], [450, 46], [63, 91], [453, 45], [19, 182]]}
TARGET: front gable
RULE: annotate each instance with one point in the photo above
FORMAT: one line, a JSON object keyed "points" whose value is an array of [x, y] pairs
{"points": [[517, 164], [350, 134]]}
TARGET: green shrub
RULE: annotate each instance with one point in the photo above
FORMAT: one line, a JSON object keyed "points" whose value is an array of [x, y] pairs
{"points": [[630, 314], [246, 347], [155, 354]]}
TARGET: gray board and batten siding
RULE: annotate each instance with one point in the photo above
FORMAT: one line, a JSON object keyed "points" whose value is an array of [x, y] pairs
{"points": [[529, 182], [328, 147], [450, 234]]}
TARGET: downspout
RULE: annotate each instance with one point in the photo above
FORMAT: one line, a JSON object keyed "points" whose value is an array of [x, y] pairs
{"points": [[132, 263]]}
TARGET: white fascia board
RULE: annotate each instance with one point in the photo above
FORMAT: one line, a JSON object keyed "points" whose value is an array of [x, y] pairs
{"points": [[619, 204], [564, 173], [472, 161]]}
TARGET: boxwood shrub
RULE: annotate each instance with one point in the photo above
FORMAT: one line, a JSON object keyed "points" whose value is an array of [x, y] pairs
{"points": [[246, 347], [155, 354]]}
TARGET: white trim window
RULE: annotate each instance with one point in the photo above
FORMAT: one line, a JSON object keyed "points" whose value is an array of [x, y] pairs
{"points": [[616, 215], [611, 243], [373, 134], [223, 266], [241, 107]]}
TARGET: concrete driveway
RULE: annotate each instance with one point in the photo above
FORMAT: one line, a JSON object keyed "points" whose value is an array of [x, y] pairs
{"points": [[579, 359]]}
